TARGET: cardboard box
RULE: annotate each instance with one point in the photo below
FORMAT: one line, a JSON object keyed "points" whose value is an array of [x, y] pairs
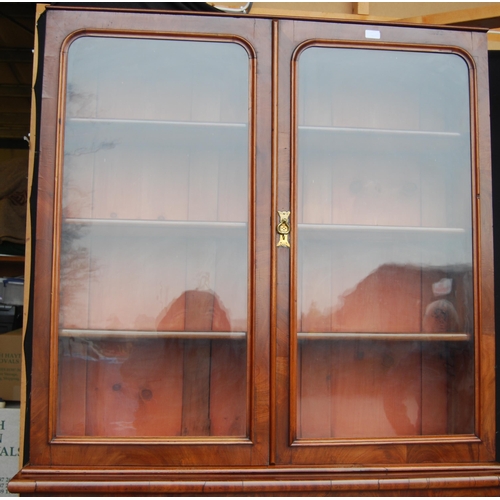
{"points": [[7, 318], [9, 447], [12, 291], [10, 365]]}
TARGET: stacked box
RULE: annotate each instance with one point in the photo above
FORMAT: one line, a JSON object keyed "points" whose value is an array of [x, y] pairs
{"points": [[9, 447], [10, 365]]}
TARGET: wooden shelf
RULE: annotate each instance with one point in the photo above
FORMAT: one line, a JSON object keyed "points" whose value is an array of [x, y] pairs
{"points": [[157, 223], [389, 234], [146, 334], [12, 258], [384, 336], [134, 121], [363, 130], [149, 228], [388, 229], [91, 135], [12, 265], [327, 140]]}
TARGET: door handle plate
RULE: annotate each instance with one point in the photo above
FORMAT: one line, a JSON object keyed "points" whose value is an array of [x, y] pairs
{"points": [[283, 229]]}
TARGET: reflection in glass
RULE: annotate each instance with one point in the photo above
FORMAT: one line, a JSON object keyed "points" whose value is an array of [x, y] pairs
{"points": [[154, 239], [385, 285]]}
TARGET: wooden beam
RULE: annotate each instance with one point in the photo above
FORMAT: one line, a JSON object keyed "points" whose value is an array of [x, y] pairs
{"points": [[287, 12], [488, 17], [494, 40], [361, 8]]}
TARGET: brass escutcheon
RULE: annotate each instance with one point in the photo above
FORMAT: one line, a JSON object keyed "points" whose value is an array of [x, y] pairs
{"points": [[283, 229]]}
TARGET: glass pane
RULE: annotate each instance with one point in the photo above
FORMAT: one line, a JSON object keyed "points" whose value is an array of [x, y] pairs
{"points": [[385, 285], [154, 240]]}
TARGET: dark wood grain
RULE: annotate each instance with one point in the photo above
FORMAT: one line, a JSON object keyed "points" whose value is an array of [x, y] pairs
{"points": [[444, 481]]}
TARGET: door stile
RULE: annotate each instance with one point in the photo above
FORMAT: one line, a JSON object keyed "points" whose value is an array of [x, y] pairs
{"points": [[274, 209], [284, 255], [484, 250]]}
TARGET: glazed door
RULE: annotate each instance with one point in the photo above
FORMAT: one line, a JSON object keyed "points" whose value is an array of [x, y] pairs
{"points": [[156, 332], [380, 341]]}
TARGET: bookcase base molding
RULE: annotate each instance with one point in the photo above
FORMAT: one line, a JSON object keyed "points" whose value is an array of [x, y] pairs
{"points": [[438, 480]]}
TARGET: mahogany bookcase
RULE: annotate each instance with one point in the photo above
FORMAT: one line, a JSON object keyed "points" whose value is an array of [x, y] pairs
{"points": [[262, 258]]}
